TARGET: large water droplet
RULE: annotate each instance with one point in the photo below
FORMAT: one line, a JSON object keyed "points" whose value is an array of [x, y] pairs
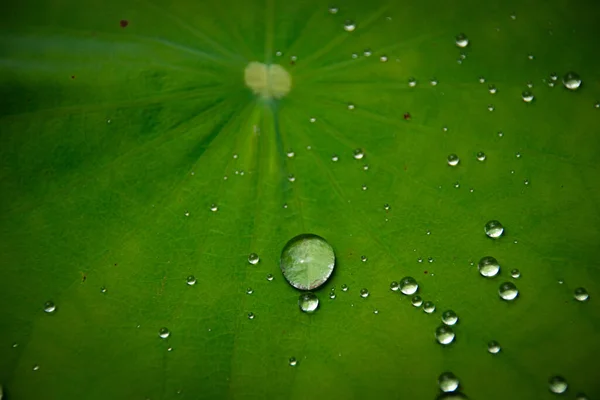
{"points": [[581, 294], [572, 81], [453, 160], [493, 229], [307, 261], [417, 301], [408, 285], [364, 293], [164, 332], [253, 258], [444, 334], [493, 347], [308, 302], [462, 40], [429, 307], [488, 267], [191, 280], [558, 384], [449, 317], [349, 25], [49, 307], [448, 382], [508, 291]]}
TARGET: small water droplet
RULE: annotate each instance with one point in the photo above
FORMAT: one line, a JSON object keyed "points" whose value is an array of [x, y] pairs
{"points": [[383, 58], [308, 302], [349, 26], [278, 53], [191, 280], [364, 293], [500, 134], [430, 259], [462, 40], [334, 158], [558, 384], [527, 96], [457, 185], [572, 81], [249, 291], [250, 315], [386, 207], [333, 10], [285, 205], [581, 396], [363, 258], [366, 167], [448, 382], [253, 258], [235, 156], [170, 349], [103, 289], [508, 291], [481, 156], [269, 277], [444, 334], [164, 333], [581, 294], [488, 267], [491, 107], [355, 55], [412, 82], [344, 287], [416, 301], [15, 345], [290, 153], [492, 89], [313, 120], [453, 160], [49, 307], [429, 307], [351, 106], [332, 294], [493, 229], [529, 84], [291, 178], [293, 361], [515, 273], [530, 56], [364, 187], [214, 208], [36, 367], [493, 347], [394, 286], [597, 105], [481, 79], [358, 154], [420, 259], [445, 128], [449, 317], [408, 285]]}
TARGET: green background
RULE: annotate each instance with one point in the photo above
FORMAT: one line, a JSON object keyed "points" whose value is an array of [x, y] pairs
{"points": [[110, 135]]}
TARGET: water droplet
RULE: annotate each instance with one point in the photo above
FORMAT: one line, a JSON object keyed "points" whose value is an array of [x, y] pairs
{"points": [[36, 367], [515, 273], [428, 233], [572, 81], [412, 82], [235, 156], [394, 286], [416, 301], [491, 107], [430, 259], [386, 207], [307, 261], [597, 105], [453, 160], [103, 289], [420, 259], [164, 333], [333, 10], [291, 178], [492, 89], [530, 56], [493, 347], [351, 106], [15, 345], [462, 40], [49, 307], [457, 185], [349, 26], [481, 79], [529, 84], [249, 290], [364, 293], [364, 187], [581, 294], [557, 384], [500, 134], [253, 258], [481, 156], [358, 154], [527, 96], [363, 258], [508, 291], [429, 307], [366, 167], [445, 128], [383, 58], [408, 285], [214, 208], [308, 302], [187, 214], [250, 315], [375, 311], [334, 158], [444, 334], [581, 396], [433, 81], [513, 16], [313, 120], [488, 266], [449, 317], [293, 361], [269, 277], [448, 382], [290, 153], [278, 53], [332, 294], [493, 229], [344, 287]]}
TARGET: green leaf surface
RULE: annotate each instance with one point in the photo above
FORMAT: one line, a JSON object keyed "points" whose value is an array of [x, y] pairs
{"points": [[133, 155]]}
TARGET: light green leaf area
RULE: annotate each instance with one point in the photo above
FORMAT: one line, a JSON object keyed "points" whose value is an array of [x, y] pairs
{"points": [[133, 157]]}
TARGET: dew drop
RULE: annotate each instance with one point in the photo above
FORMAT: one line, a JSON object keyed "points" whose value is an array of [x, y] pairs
{"points": [[530, 56], [444, 334], [291, 178], [253, 258], [358, 154], [581, 396], [250, 315], [412, 82], [462, 40], [515, 273], [481, 79], [249, 290], [36, 367], [527, 96], [367, 52], [488, 266], [344, 287], [269, 277], [449, 317], [572, 81], [351, 106], [394, 286], [334, 158], [290, 153], [308, 302], [417, 301], [493, 229], [383, 58], [581, 294], [386, 207], [364, 293], [313, 120], [333, 10], [164, 333], [433, 81], [508, 291], [557, 384], [332, 294], [481, 156], [492, 89], [448, 382], [349, 26], [214, 208], [429, 307], [491, 107], [103, 289], [293, 361], [49, 307], [364, 187], [363, 258], [408, 285], [307, 261], [493, 347], [453, 160]]}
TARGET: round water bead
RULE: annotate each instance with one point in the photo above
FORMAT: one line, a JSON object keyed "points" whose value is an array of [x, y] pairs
{"points": [[358, 154], [333, 9], [253, 258], [493, 229], [293, 361], [492, 89], [308, 302], [364, 293], [527, 96], [508, 291], [250, 315], [49, 307], [429, 307], [481, 156], [191, 280], [444, 334], [488, 266], [349, 26], [449, 317], [164, 333], [462, 40], [581, 396], [493, 347], [249, 291], [581, 294], [408, 285], [417, 301], [515, 273], [453, 160], [572, 81], [394, 286], [412, 82], [448, 382], [269, 277], [332, 294], [307, 261], [558, 384]]}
